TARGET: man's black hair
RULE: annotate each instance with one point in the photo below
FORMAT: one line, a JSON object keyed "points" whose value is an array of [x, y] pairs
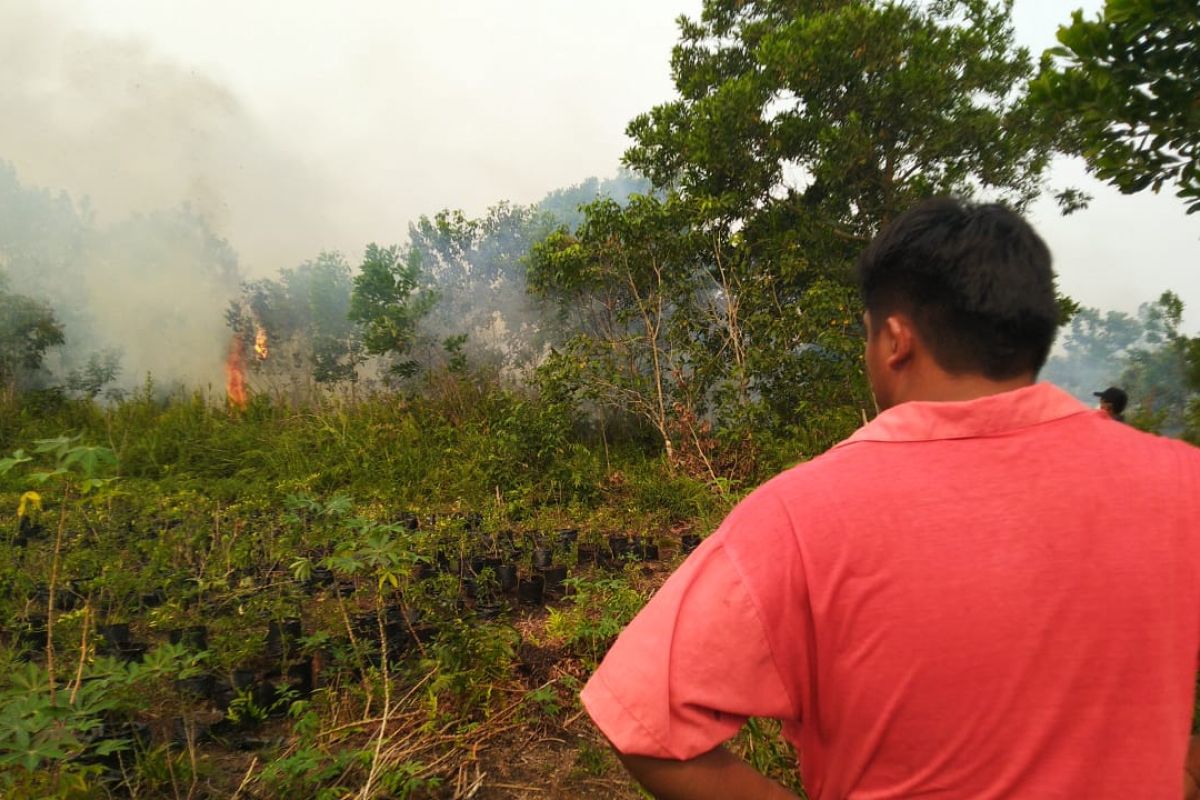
{"points": [[975, 280]]}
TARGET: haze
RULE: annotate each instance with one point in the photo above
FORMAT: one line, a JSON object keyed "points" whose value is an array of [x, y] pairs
{"points": [[326, 126]]}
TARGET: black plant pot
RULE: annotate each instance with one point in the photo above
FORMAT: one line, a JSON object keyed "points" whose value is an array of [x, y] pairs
{"points": [[531, 590], [490, 609], [506, 575], [197, 687], [28, 529], [689, 542], [191, 637], [283, 635], [116, 634], [300, 677], [567, 538], [134, 651], [543, 557], [153, 599], [645, 549], [621, 547], [136, 734], [365, 626], [242, 679], [319, 578], [552, 578], [33, 635], [399, 639], [585, 555]]}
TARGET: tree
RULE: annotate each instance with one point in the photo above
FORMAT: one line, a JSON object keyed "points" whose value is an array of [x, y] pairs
{"points": [[100, 370], [477, 267], [28, 329], [623, 276], [801, 127], [844, 112], [304, 315], [1147, 355], [1093, 351], [389, 300], [1157, 373], [1126, 88]]}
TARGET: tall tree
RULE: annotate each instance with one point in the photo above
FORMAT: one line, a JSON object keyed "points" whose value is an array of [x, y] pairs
{"points": [[304, 318], [1125, 86], [800, 127], [478, 266], [843, 112], [28, 329], [623, 276], [389, 300], [1093, 351]]}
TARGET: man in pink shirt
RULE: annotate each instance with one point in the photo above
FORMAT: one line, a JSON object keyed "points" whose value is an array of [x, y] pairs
{"points": [[952, 603]]}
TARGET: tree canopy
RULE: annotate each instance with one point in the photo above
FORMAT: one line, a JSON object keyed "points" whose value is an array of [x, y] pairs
{"points": [[389, 300], [1125, 86], [28, 329], [839, 114], [799, 128]]}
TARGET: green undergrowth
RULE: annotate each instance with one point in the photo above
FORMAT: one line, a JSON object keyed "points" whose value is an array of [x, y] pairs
{"points": [[378, 525]]}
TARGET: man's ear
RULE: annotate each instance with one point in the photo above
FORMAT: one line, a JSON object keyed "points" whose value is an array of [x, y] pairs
{"points": [[899, 333]]}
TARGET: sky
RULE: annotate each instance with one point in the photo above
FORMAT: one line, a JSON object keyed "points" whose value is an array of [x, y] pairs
{"points": [[308, 126]]}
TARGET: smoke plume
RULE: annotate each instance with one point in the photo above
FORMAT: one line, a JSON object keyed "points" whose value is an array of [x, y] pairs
{"points": [[156, 173]]}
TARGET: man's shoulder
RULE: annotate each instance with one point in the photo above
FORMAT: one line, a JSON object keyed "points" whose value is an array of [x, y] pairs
{"points": [[824, 482]]}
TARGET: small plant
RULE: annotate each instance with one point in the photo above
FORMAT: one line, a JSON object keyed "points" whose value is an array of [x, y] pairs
{"points": [[599, 610], [544, 701], [44, 734]]}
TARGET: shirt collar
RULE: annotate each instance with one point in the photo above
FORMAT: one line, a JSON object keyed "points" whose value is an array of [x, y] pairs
{"points": [[998, 413]]}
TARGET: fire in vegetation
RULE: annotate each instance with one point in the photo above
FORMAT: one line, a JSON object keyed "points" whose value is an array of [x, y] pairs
{"points": [[235, 373], [261, 351]]}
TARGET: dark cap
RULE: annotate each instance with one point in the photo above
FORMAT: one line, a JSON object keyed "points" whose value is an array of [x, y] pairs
{"points": [[1114, 397]]}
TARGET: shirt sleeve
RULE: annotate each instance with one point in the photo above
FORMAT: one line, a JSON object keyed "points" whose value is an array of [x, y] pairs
{"points": [[692, 666]]}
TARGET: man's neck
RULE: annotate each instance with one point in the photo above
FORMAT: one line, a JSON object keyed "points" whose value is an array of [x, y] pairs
{"points": [[942, 387]]}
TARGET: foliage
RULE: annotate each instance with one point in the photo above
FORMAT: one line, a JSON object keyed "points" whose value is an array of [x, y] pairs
{"points": [[1147, 355], [389, 300], [28, 329], [626, 271], [304, 313], [828, 118], [100, 370], [1124, 84], [564, 205], [598, 611], [40, 728], [723, 313], [477, 267]]}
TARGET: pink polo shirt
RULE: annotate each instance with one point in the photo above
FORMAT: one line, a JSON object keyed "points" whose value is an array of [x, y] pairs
{"points": [[991, 599]]}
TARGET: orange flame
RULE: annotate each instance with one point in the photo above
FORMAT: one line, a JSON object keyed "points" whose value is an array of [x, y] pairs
{"points": [[235, 373], [260, 344]]}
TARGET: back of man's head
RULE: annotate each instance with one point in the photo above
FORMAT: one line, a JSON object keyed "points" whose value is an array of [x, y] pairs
{"points": [[976, 282]]}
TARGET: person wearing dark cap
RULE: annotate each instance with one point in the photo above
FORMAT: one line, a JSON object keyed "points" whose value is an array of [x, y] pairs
{"points": [[1113, 401]]}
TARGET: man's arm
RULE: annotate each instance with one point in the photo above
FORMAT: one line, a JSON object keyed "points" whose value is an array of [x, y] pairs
{"points": [[716, 775]]}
